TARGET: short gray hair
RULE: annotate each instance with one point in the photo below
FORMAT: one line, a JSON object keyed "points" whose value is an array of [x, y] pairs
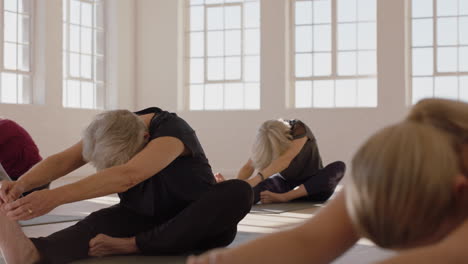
{"points": [[113, 138], [273, 139]]}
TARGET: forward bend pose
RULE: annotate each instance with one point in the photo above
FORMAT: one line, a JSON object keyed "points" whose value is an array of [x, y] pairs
{"points": [[408, 191], [18, 151], [288, 163], [169, 202]]}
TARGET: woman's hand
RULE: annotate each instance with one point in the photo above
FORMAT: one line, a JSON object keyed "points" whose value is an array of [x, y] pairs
{"points": [[217, 256], [10, 191], [35, 204]]}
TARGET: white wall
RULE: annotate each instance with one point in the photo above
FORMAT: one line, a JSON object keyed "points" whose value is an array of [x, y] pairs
{"points": [[227, 135], [52, 126]]}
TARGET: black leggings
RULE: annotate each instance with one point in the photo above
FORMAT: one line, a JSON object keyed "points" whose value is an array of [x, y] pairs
{"points": [[319, 186], [208, 222]]}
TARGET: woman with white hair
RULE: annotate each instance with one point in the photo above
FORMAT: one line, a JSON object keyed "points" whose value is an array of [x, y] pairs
{"points": [[408, 191], [288, 164], [169, 202]]}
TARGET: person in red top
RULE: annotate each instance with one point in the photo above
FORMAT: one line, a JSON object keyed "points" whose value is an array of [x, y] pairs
{"points": [[18, 152]]}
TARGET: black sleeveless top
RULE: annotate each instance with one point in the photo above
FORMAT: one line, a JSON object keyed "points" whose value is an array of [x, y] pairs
{"points": [[308, 161], [168, 192]]}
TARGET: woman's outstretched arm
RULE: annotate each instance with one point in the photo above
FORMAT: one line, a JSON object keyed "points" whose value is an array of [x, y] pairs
{"points": [[320, 240]]}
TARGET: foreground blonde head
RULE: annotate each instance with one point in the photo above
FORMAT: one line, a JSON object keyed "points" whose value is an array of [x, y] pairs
{"points": [[273, 139], [113, 138], [401, 187]]}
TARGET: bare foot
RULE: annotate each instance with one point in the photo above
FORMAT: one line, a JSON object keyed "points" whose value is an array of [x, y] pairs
{"points": [[103, 245], [15, 246], [219, 177], [270, 197]]}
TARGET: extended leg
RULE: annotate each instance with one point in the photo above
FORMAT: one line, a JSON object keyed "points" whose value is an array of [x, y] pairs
{"points": [[15, 246], [208, 222]]}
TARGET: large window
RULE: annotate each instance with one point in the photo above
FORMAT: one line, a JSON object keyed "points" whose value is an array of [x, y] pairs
{"points": [[439, 49], [334, 53], [223, 54], [15, 84], [83, 53]]}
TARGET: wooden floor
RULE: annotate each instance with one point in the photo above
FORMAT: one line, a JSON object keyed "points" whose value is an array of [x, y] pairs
{"points": [[255, 224]]}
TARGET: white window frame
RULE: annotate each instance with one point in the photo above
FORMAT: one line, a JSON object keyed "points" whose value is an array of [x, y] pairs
{"points": [[99, 93], [435, 46], [334, 56], [27, 94], [205, 57]]}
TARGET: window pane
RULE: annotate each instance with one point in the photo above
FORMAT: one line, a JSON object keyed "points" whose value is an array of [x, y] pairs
{"points": [[422, 32], [252, 41], [23, 57], [423, 61], [367, 10], [11, 5], [99, 14], [24, 89], [463, 10], [87, 95], [234, 96], [303, 94], [232, 17], [233, 42], [347, 11], [252, 69], [303, 65], [447, 7], [215, 69], [100, 69], [446, 87], [464, 88], [74, 65], [86, 40], [197, 18], [347, 36], [233, 68], [215, 43], [324, 94], [447, 31], [197, 71], [322, 38], [196, 97], [197, 45], [422, 88], [86, 66], [345, 93], [23, 26], [75, 12], [322, 11], [447, 59], [214, 96], [86, 14], [322, 64], [303, 40], [9, 56], [252, 15], [463, 59], [252, 96], [463, 30], [367, 93], [347, 63], [9, 88], [303, 12], [422, 8], [11, 27], [100, 42], [215, 18], [367, 36], [367, 62], [75, 38]]}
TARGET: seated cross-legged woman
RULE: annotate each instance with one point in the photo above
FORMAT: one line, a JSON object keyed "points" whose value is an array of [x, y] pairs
{"points": [[169, 202], [288, 163]]}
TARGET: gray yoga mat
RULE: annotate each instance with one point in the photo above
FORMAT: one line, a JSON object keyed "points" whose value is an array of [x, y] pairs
{"points": [[50, 219], [278, 208]]}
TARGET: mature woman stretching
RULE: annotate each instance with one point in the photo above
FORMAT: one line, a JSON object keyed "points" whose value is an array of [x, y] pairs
{"points": [[288, 163], [169, 203], [408, 191]]}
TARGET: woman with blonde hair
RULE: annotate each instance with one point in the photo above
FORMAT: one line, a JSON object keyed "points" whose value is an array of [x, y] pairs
{"points": [[408, 191], [286, 157]]}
